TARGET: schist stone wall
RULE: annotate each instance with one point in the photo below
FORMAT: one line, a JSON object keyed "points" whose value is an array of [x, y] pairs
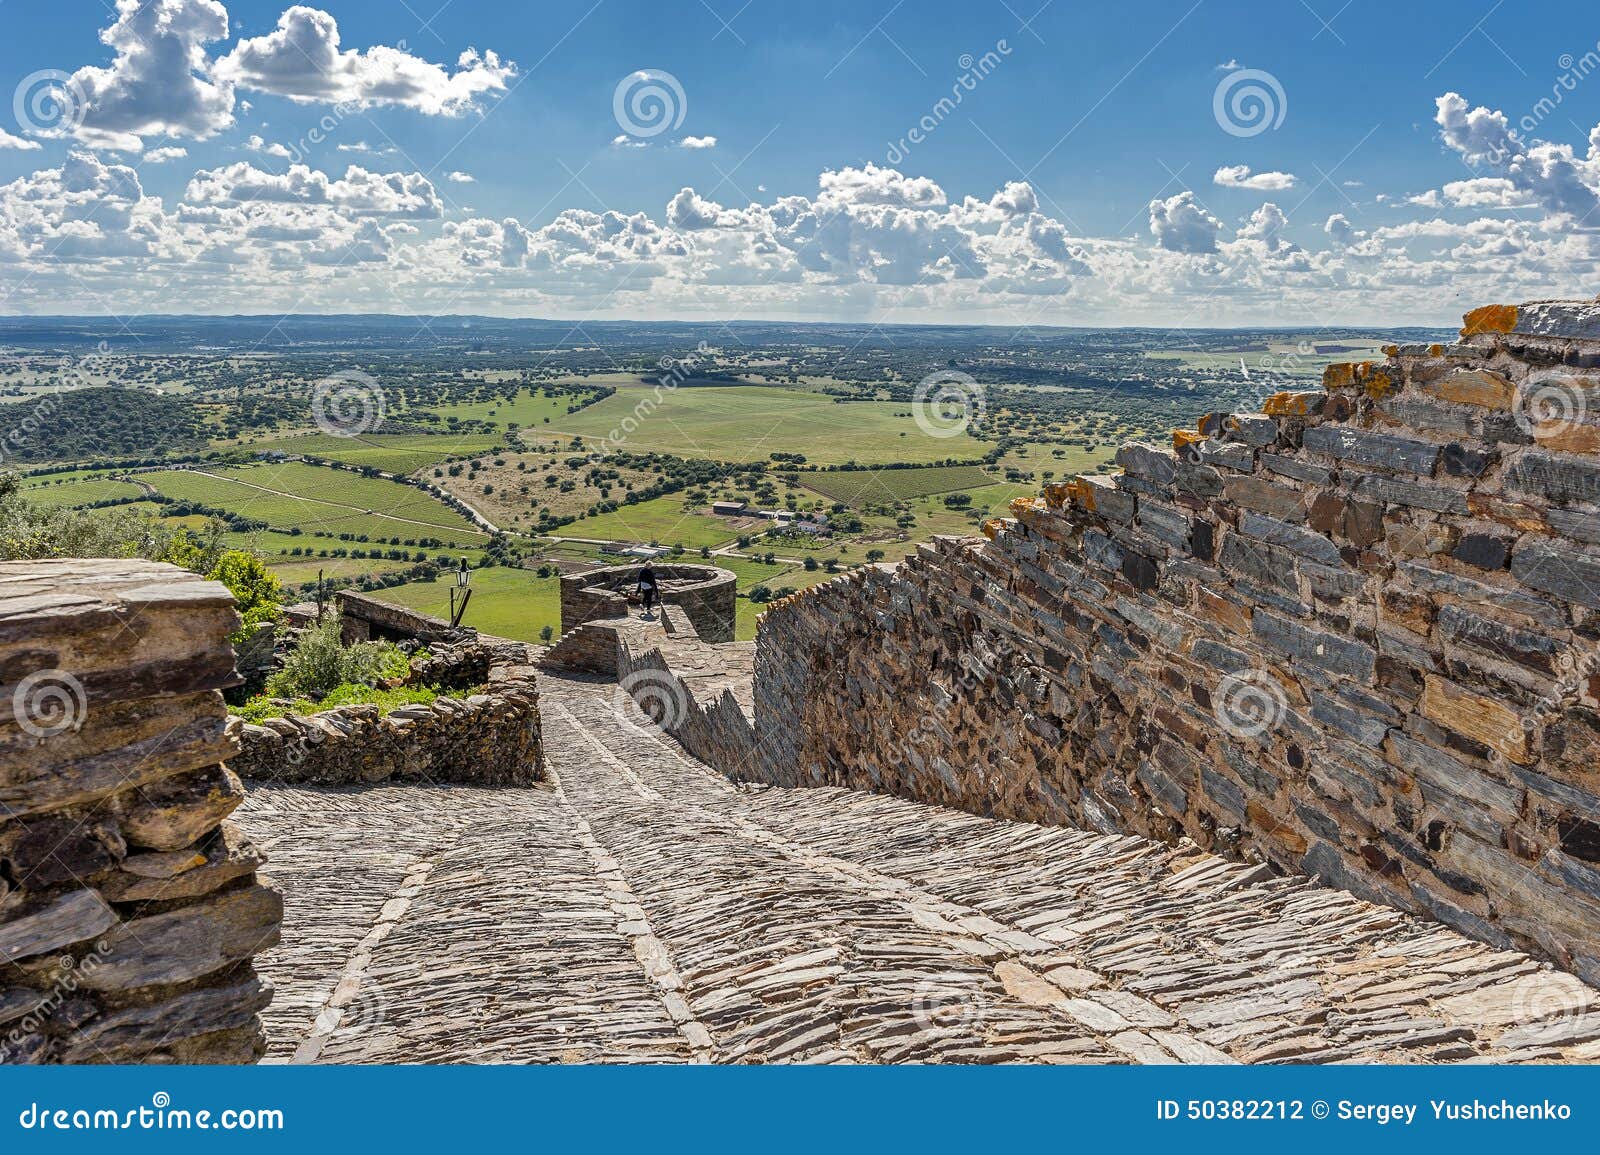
{"points": [[1353, 634], [487, 737], [130, 907]]}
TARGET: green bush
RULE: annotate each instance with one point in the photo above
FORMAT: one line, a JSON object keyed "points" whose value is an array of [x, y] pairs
{"points": [[320, 662], [347, 694]]}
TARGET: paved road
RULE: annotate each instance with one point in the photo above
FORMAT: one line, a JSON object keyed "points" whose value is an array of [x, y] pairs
{"points": [[641, 908]]}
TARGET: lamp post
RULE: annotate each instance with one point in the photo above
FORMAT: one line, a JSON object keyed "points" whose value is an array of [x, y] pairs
{"points": [[460, 593]]}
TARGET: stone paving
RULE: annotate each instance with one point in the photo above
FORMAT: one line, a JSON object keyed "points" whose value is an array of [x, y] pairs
{"points": [[641, 908]]}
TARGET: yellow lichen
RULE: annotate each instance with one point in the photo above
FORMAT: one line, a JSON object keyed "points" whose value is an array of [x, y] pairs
{"points": [[1490, 319]]}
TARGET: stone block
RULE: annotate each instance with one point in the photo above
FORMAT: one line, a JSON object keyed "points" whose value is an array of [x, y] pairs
{"points": [[1564, 572], [1315, 647], [1384, 450], [1481, 387], [1482, 719], [1555, 478]]}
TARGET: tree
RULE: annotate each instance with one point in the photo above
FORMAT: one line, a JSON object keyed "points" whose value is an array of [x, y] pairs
{"points": [[810, 563], [874, 555], [546, 633], [254, 587]]}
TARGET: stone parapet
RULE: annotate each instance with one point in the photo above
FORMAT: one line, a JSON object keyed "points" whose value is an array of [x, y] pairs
{"points": [[707, 594], [487, 738], [130, 907], [1352, 635]]}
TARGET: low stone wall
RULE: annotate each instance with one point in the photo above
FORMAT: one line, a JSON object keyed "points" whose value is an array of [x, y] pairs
{"points": [[716, 731], [484, 739], [363, 618], [1353, 634], [130, 908], [706, 593]]}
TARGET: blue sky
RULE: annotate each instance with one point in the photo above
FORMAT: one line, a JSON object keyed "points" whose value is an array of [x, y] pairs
{"points": [[1359, 201]]}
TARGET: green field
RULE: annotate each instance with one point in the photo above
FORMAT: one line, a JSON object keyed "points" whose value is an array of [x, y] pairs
{"points": [[530, 407], [390, 452], [508, 603], [859, 487], [335, 501], [81, 492], [748, 423], [664, 520]]}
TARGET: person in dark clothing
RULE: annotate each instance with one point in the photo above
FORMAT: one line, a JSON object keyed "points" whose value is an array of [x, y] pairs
{"points": [[647, 589]]}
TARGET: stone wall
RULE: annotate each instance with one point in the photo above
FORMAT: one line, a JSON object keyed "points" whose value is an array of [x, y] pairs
{"points": [[130, 908], [1353, 634], [714, 729], [706, 593], [490, 738], [363, 618]]}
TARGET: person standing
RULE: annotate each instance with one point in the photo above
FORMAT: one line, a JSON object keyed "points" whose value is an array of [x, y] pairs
{"points": [[648, 592]]}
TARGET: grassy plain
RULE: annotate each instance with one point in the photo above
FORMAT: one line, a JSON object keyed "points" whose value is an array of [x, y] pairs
{"points": [[749, 423], [391, 452], [858, 487], [318, 498]]}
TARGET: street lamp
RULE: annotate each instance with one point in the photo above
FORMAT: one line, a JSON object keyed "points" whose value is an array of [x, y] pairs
{"points": [[460, 593]]}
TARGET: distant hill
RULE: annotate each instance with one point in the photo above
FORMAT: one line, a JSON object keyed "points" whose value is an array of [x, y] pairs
{"points": [[102, 421]]}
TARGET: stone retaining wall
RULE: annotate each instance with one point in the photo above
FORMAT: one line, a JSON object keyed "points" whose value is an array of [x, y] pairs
{"points": [[708, 594], [484, 739], [716, 731], [130, 908], [1353, 634]]}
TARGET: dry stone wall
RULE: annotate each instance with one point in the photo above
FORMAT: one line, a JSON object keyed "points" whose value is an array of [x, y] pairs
{"points": [[491, 738], [1353, 634], [130, 907]]}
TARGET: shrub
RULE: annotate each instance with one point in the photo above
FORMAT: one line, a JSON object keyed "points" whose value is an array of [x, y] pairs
{"points": [[347, 694], [320, 662]]}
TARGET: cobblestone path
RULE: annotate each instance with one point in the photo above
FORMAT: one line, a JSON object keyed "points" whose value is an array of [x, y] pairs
{"points": [[641, 908]]}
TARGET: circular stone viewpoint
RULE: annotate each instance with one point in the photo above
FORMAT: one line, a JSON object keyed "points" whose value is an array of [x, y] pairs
{"points": [[705, 593]]}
